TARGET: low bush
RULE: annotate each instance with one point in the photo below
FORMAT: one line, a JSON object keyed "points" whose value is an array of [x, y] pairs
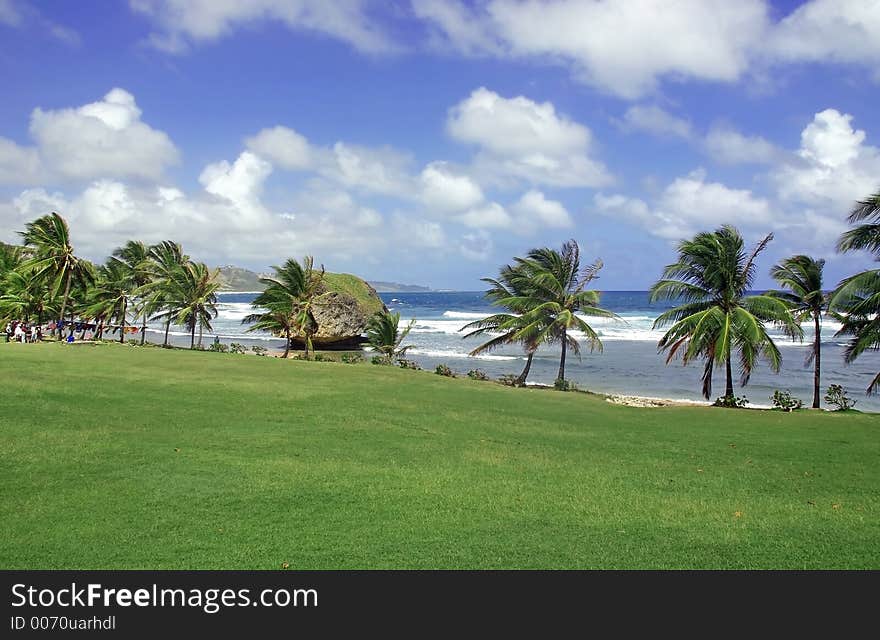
{"points": [[351, 358], [508, 379], [836, 397], [236, 347], [477, 374], [380, 360], [403, 363], [218, 347], [443, 370], [258, 350], [731, 402], [785, 401], [565, 385]]}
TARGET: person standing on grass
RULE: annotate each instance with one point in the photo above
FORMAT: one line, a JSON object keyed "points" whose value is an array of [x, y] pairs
{"points": [[19, 334], [8, 331]]}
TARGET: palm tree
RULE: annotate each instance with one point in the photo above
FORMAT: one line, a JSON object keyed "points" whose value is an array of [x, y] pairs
{"points": [[11, 257], [712, 276], [277, 322], [802, 275], [552, 292], [293, 290], [509, 289], [193, 297], [168, 260], [135, 256], [54, 257], [856, 300], [386, 337], [24, 296], [111, 294]]}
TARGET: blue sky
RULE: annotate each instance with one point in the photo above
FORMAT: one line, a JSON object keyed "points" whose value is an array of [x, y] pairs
{"points": [[429, 142]]}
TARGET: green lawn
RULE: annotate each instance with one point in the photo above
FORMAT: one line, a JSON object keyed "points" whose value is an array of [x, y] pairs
{"points": [[124, 457]]}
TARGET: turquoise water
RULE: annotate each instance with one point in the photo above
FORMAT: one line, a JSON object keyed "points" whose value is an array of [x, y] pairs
{"points": [[629, 362]]}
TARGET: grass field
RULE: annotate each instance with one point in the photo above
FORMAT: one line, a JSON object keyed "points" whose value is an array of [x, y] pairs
{"points": [[124, 457]]}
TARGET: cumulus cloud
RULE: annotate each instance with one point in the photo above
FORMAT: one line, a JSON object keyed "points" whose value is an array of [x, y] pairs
{"points": [[728, 146], [843, 31], [522, 139], [179, 23], [282, 146], [833, 166], [687, 205], [534, 209], [691, 39], [444, 190], [19, 165], [101, 139], [489, 216], [656, 121]]}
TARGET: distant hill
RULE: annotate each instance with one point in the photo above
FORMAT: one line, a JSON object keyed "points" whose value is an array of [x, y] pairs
{"points": [[395, 287], [239, 279]]}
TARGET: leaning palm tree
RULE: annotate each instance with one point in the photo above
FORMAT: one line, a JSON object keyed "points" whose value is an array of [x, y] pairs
{"points": [[278, 322], [856, 301], [23, 296], [193, 298], [54, 257], [553, 295], [510, 290], [385, 335], [111, 295], [168, 261], [802, 276], [712, 277], [294, 290], [135, 256]]}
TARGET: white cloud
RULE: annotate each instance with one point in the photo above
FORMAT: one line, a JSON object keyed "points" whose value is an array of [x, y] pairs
{"points": [[833, 166], [283, 146], [654, 120], [446, 191], [476, 246], [687, 205], [534, 210], [241, 184], [454, 26], [180, 22], [526, 140], [621, 46], [18, 165], [380, 170], [489, 216], [729, 146], [843, 31], [101, 139]]}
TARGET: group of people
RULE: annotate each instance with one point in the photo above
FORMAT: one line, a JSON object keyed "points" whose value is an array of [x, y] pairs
{"points": [[23, 332]]}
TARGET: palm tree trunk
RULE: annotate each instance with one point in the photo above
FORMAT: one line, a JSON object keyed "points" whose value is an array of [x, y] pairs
{"points": [[144, 329], [167, 327], [122, 322], [728, 390], [521, 380], [200, 333], [306, 345], [192, 334], [817, 354], [64, 302], [561, 374], [286, 343]]}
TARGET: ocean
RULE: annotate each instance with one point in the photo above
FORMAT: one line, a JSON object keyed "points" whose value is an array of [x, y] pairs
{"points": [[628, 364]]}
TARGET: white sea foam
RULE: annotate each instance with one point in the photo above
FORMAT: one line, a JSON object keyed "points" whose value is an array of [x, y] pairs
{"points": [[458, 354], [464, 315]]}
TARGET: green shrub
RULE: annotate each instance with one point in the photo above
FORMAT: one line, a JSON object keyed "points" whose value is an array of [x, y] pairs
{"points": [[351, 358], [477, 374], [218, 347], [443, 370], [235, 347], [731, 402], [783, 400], [509, 379], [323, 357], [403, 363], [258, 350], [380, 360], [836, 397], [564, 385]]}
